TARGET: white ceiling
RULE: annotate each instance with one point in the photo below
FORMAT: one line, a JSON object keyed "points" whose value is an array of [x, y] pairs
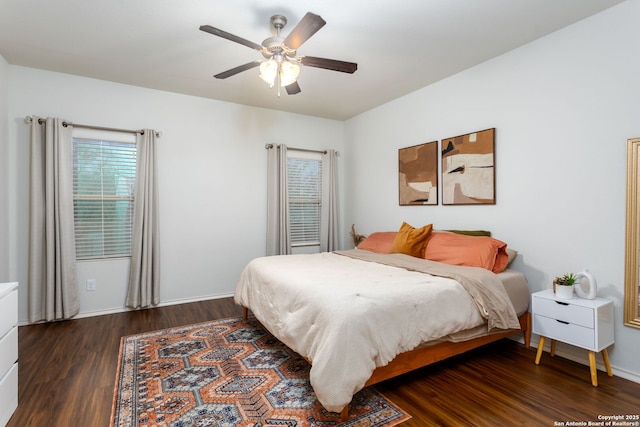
{"points": [[400, 46]]}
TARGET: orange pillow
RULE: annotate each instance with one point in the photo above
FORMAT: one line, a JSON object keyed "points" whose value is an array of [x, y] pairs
{"points": [[379, 242], [410, 240], [472, 251]]}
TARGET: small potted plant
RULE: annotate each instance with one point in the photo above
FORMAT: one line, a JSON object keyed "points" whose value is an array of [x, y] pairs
{"points": [[563, 285]]}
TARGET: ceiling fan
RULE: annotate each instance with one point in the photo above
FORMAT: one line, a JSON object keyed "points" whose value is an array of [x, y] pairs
{"points": [[281, 65]]}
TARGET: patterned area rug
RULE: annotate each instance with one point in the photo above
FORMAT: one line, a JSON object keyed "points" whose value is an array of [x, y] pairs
{"points": [[227, 373]]}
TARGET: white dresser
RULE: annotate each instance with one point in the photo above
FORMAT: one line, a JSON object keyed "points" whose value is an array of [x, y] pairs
{"points": [[8, 351], [581, 322]]}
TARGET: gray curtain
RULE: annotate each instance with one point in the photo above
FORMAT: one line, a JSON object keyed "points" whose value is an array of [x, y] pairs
{"points": [[278, 232], [329, 210], [52, 288], [144, 275]]}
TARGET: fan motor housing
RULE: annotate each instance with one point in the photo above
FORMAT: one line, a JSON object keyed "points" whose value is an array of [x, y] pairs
{"points": [[274, 45]]}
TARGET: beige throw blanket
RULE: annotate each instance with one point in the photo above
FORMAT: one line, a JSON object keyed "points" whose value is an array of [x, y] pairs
{"points": [[484, 287], [349, 316]]}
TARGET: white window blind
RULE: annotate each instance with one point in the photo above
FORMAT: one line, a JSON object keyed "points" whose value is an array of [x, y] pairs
{"points": [[104, 174], [305, 197]]}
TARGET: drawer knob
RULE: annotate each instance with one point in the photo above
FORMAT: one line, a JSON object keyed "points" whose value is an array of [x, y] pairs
{"points": [[562, 321], [562, 303]]}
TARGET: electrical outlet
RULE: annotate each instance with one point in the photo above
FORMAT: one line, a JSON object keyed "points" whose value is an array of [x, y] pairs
{"points": [[91, 284]]}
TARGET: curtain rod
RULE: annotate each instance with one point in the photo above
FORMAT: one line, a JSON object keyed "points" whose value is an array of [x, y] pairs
{"points": [[29, 119], [306, 150]]}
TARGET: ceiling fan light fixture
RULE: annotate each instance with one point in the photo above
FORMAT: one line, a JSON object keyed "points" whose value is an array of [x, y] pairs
{"points": [[289, 72], [268, 71]]}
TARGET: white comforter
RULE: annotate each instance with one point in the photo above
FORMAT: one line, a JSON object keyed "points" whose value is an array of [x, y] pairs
{"points": [[349, 316]]}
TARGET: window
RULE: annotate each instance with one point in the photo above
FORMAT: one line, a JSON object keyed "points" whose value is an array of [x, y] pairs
{"points": [[104, 173], [305, 197]]}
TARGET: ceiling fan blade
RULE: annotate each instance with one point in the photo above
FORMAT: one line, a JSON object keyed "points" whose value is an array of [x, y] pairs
{"points": [[236, 70], [307, 27], [293, 88], [220, 33], [329, 64]]}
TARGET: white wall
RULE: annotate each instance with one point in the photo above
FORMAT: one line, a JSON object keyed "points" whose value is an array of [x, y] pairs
{"points": [[212, 167], [563, 108], [4, 172]]}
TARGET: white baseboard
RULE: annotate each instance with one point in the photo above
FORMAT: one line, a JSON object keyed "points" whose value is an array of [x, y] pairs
{"points": [[115, 310], [580, 355], [198, 299]]}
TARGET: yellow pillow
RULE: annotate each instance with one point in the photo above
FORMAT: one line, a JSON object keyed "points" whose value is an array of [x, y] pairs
{"points": [[411, 241]]}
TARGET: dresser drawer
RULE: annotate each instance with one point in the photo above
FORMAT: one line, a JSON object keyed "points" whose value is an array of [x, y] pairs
{"points": [[8, 350], [576, 314], [566, 332], [8, 394], [8, 312]]}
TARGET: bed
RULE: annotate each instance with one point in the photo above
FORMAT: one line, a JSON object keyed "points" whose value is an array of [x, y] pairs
{"points": [[361, 316]]}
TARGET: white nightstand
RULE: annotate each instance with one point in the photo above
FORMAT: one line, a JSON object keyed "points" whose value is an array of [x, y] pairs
{"points": [[581, 322]]}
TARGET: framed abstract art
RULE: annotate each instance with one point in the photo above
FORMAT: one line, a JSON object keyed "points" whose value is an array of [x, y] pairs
{"points": [[468, 169], [418, 174]]}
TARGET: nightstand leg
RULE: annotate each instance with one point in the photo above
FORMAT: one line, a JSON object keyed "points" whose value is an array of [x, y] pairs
{"points": [[552, 350], [592, 366], [607, 365], [540, 347]]}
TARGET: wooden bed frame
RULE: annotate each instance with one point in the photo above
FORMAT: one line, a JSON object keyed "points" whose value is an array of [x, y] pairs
{"points": [[426, 355]]}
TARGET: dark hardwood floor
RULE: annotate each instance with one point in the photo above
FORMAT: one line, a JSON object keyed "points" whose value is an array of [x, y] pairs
{"points": [[67, 374]]}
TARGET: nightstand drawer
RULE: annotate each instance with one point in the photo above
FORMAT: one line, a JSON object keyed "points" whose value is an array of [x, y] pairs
{"points": [[8, 350], [566, 311], [8, 312], [566, 332], [8, 394]]}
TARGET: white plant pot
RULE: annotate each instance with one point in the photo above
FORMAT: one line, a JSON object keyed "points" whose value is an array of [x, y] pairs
{"points": [[564, 292]]}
